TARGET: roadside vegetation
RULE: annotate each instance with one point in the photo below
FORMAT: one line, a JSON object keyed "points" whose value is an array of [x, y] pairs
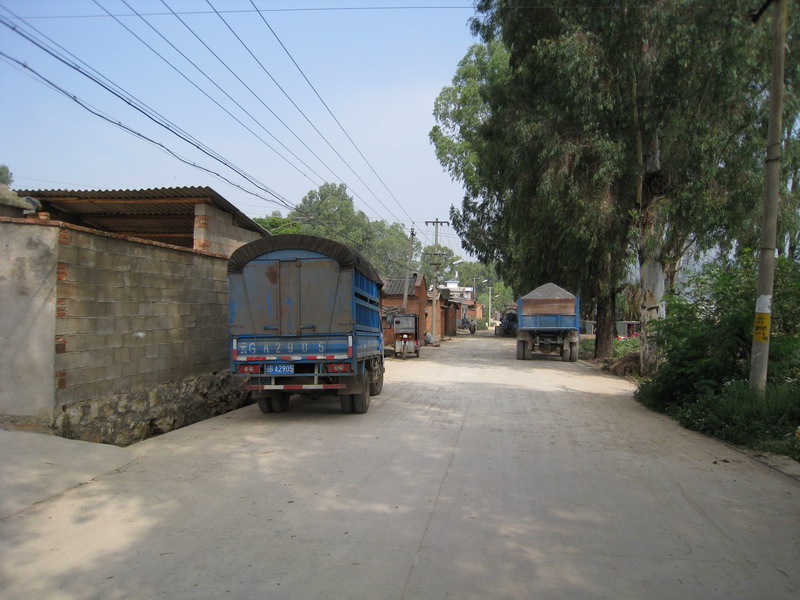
{"points": [[704, 345], [704, 358]]}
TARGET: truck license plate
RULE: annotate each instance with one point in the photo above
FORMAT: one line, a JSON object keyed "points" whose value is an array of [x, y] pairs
{"points": [[280, 369]]}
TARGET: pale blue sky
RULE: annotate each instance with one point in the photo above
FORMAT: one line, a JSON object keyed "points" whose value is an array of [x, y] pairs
{"points": [[379, 71]]}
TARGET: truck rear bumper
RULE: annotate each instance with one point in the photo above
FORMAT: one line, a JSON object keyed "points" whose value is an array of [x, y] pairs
{"points": [[299, 387]]}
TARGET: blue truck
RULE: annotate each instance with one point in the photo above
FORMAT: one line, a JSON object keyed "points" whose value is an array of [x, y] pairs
{"points": [[305, 318], [548, 321]]}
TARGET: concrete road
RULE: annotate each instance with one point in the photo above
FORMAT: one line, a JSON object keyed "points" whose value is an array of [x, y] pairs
{"points": [[473, 475]]}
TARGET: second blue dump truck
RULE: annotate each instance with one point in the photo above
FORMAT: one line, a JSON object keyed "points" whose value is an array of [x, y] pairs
{"points": [[548, 321], [305, 318]]}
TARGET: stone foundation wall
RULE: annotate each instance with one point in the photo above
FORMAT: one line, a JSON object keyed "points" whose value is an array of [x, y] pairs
{"points": [[124, 418]]}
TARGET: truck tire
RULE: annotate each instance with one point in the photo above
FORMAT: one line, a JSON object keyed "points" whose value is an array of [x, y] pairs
{"points": [[361, 399], [346, 402], [521, 350], [565, 352], [375, 387], [265, 405], [573, 352], [279, 402]]}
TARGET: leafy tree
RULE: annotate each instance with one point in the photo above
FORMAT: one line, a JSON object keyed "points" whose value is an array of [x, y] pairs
{"points": [[329, 212], [526, 187], [635, 127], [439, 255], [277, 224], [389, 247], [6, 176]]}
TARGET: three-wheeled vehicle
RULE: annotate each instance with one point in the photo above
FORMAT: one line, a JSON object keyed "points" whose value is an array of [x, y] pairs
{"points": [[406, 335]]}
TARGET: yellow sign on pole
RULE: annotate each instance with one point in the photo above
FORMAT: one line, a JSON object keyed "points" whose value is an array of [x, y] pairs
{"points": [[762, 325]]}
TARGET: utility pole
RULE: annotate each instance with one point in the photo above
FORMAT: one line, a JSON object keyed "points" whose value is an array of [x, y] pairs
{"points": [[759, 358], [408, 272], [489, 318], [436, 266]]}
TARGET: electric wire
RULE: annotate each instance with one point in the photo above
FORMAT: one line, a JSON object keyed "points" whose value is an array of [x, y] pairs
{"points": [[162, 121], [134, 103], [291, 100], [252, 92], [102, 115], [207, 95], [270, 10], [310, 219], [330, 112]]}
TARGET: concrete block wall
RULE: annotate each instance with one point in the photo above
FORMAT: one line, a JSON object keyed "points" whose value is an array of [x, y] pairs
{"points": [[133, 314], [216, 231]]}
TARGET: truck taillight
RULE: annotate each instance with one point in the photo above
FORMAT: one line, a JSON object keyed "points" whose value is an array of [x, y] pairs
{"points": [[248, 369], [337, 367]]}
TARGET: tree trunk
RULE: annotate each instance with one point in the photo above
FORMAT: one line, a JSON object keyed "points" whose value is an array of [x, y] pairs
{"points": [[606, 326], [652, 293]]}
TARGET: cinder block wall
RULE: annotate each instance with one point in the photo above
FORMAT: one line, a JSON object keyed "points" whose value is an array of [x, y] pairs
{"points": [[216, 231], [110, 339], [132, 314]]}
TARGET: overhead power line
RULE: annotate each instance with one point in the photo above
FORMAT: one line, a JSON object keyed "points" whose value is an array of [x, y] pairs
{"points": [[252, 92], [330, 112], [300, 110], [142, 108], [268, 10], [221, 89], [98, 113]]}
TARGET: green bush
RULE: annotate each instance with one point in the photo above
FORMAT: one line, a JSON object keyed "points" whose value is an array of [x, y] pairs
{"points": [[742, 416], [622, 347], [706, 337], [625, 346]]}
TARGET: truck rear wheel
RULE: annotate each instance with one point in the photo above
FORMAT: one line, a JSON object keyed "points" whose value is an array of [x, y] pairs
{"points": [[376, 386], [573, 352], [279, 402], [565, 352], [521, 350], [361, 399], [265, 405], [346, 402]]}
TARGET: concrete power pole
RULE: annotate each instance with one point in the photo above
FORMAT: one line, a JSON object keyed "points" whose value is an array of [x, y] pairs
{"points": [[759, 358], [436, 266], [408, 272]]}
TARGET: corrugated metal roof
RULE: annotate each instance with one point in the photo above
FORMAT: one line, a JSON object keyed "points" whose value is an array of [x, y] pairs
{"points": [[162, 214], [395, 286]]}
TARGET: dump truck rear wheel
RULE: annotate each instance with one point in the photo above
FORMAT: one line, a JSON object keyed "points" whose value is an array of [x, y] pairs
{"points": [[361, 399], [521, 350], [565, 352], [573, 352], [264, 405]]}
